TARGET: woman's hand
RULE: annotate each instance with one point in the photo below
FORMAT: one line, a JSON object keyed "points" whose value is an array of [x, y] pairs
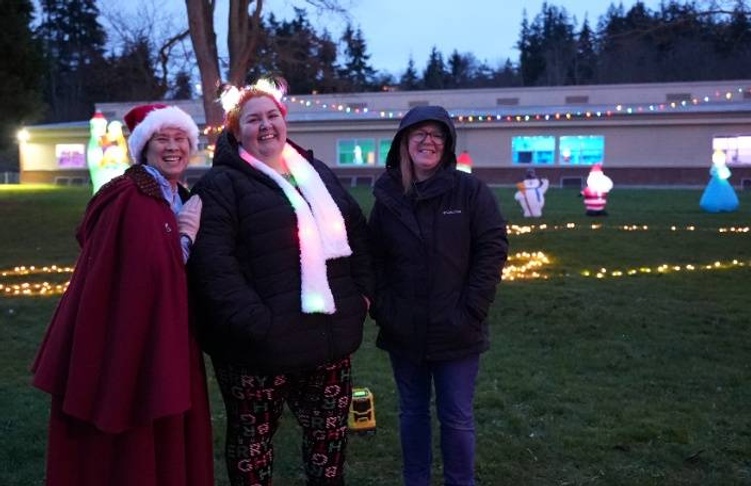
{"points": [[189, 218]]}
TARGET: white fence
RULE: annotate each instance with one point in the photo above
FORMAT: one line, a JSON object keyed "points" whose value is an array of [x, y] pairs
{"points": [[8, 177]]}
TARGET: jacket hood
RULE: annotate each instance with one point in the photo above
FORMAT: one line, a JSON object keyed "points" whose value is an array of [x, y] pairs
{"points": [[415, 116]]}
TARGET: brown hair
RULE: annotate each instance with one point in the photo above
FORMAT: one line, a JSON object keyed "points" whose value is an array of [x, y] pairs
{"points": [[405, 164]]}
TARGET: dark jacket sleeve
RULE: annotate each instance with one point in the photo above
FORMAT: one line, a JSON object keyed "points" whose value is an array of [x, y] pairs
{"points": [[378, 257], [357, 232], [489, 252], [225, 303]]}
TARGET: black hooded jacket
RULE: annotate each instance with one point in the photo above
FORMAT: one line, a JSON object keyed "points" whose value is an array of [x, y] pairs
{"points": [[244, 271], [438, 254]]}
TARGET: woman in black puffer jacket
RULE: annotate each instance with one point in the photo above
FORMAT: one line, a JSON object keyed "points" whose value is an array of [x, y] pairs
{"points": [[281, 282], [439, 245]]}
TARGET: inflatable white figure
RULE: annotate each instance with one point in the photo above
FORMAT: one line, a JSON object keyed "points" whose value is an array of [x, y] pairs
{"points": [[107, 153], [116, 152], [94, 150], [596, 192], [530, 194], [719, 195]]}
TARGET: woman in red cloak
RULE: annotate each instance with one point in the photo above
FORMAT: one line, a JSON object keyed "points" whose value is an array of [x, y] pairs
{"points": [[127, 379]]}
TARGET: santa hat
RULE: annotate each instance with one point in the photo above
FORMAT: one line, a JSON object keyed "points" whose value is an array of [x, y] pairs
{"points": [[145, 120]]}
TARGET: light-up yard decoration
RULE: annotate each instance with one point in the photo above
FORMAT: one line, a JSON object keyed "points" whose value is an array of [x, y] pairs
{"points": [[107, 153], [596, 193], [719, 195], [524, 265], [464, 162], [530, 194]]}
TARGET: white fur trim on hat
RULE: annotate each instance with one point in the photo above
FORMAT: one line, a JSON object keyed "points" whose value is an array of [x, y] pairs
{"points": [[170, 116]]}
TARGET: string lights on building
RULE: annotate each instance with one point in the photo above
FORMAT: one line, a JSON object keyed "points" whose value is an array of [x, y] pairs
{"points": [[517, 114]]}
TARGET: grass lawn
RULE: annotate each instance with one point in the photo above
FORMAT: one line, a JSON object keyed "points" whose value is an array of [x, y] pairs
{"points": [[639, 377]]}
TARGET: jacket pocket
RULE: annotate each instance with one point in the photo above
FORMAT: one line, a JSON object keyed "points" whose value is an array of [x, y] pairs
{"points": [[394, 316]]}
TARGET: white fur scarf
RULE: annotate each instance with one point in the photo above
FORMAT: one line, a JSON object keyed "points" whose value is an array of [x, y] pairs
{"points": [[320, 227]]}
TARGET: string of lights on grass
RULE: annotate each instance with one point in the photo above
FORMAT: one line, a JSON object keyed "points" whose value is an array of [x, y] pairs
{"points": [[664, 269], [528, 265], [515, 229], [32, 289]]}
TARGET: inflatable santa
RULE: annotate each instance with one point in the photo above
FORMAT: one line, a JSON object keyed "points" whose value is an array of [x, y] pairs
{"points": [[530, 194], [596, 193], [464, 162]]}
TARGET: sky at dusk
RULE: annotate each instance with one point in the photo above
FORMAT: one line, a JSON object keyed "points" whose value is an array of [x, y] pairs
{"points": [[395, 30]]}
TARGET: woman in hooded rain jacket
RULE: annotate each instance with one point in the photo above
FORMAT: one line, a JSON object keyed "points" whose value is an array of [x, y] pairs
{"points": [[439, 245]]}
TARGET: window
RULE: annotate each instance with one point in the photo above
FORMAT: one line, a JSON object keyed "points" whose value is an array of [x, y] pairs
{"points": [[507, 101], [581, 150], [737, 148], [577, 100], [70, 156], [384, 145], [355, 151], [533, 150]]}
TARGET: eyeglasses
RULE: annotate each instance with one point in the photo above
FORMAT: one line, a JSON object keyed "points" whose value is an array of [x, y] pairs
{"points": [[165, 140], [421, 136]]}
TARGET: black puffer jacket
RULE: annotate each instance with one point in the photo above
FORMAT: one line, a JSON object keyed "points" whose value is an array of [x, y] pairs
{"points": [[438, 253], [244, 271]]}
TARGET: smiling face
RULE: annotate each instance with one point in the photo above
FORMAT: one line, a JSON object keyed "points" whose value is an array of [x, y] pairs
{"points": [[168, 150], [262, 129], [426, 143]]}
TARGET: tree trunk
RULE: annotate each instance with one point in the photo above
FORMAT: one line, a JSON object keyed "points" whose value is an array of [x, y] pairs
{"points": [[244, 30], [203, 37]]}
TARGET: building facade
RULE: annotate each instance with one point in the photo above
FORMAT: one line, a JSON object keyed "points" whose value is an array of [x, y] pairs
{"points": [[661, 134]]}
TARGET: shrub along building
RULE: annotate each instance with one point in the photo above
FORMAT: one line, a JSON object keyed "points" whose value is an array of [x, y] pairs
{"points": [[643, 134]]}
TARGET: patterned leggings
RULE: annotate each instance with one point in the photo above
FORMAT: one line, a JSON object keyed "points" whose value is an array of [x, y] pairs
{"points": [[318, 398]]}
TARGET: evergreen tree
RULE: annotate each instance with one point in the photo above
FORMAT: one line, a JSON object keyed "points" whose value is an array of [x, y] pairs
{"points": [[733, 43], [130, 76], [295, 45], [483, 77], [531, 61], [409, 80], [21, 70], [627, 45], [357, 73], [460, 67], [74, 40], [183, 89], [506, 76], [327, 79], [585, 62], [266, 54], [384, 81], [683, 37], [434, 76]]}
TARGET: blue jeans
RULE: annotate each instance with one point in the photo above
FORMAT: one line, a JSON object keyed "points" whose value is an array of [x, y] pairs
{"points": [[454, 383]]}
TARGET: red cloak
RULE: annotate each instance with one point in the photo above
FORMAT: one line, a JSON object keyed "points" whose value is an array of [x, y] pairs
{"points": [[127, 379]]}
